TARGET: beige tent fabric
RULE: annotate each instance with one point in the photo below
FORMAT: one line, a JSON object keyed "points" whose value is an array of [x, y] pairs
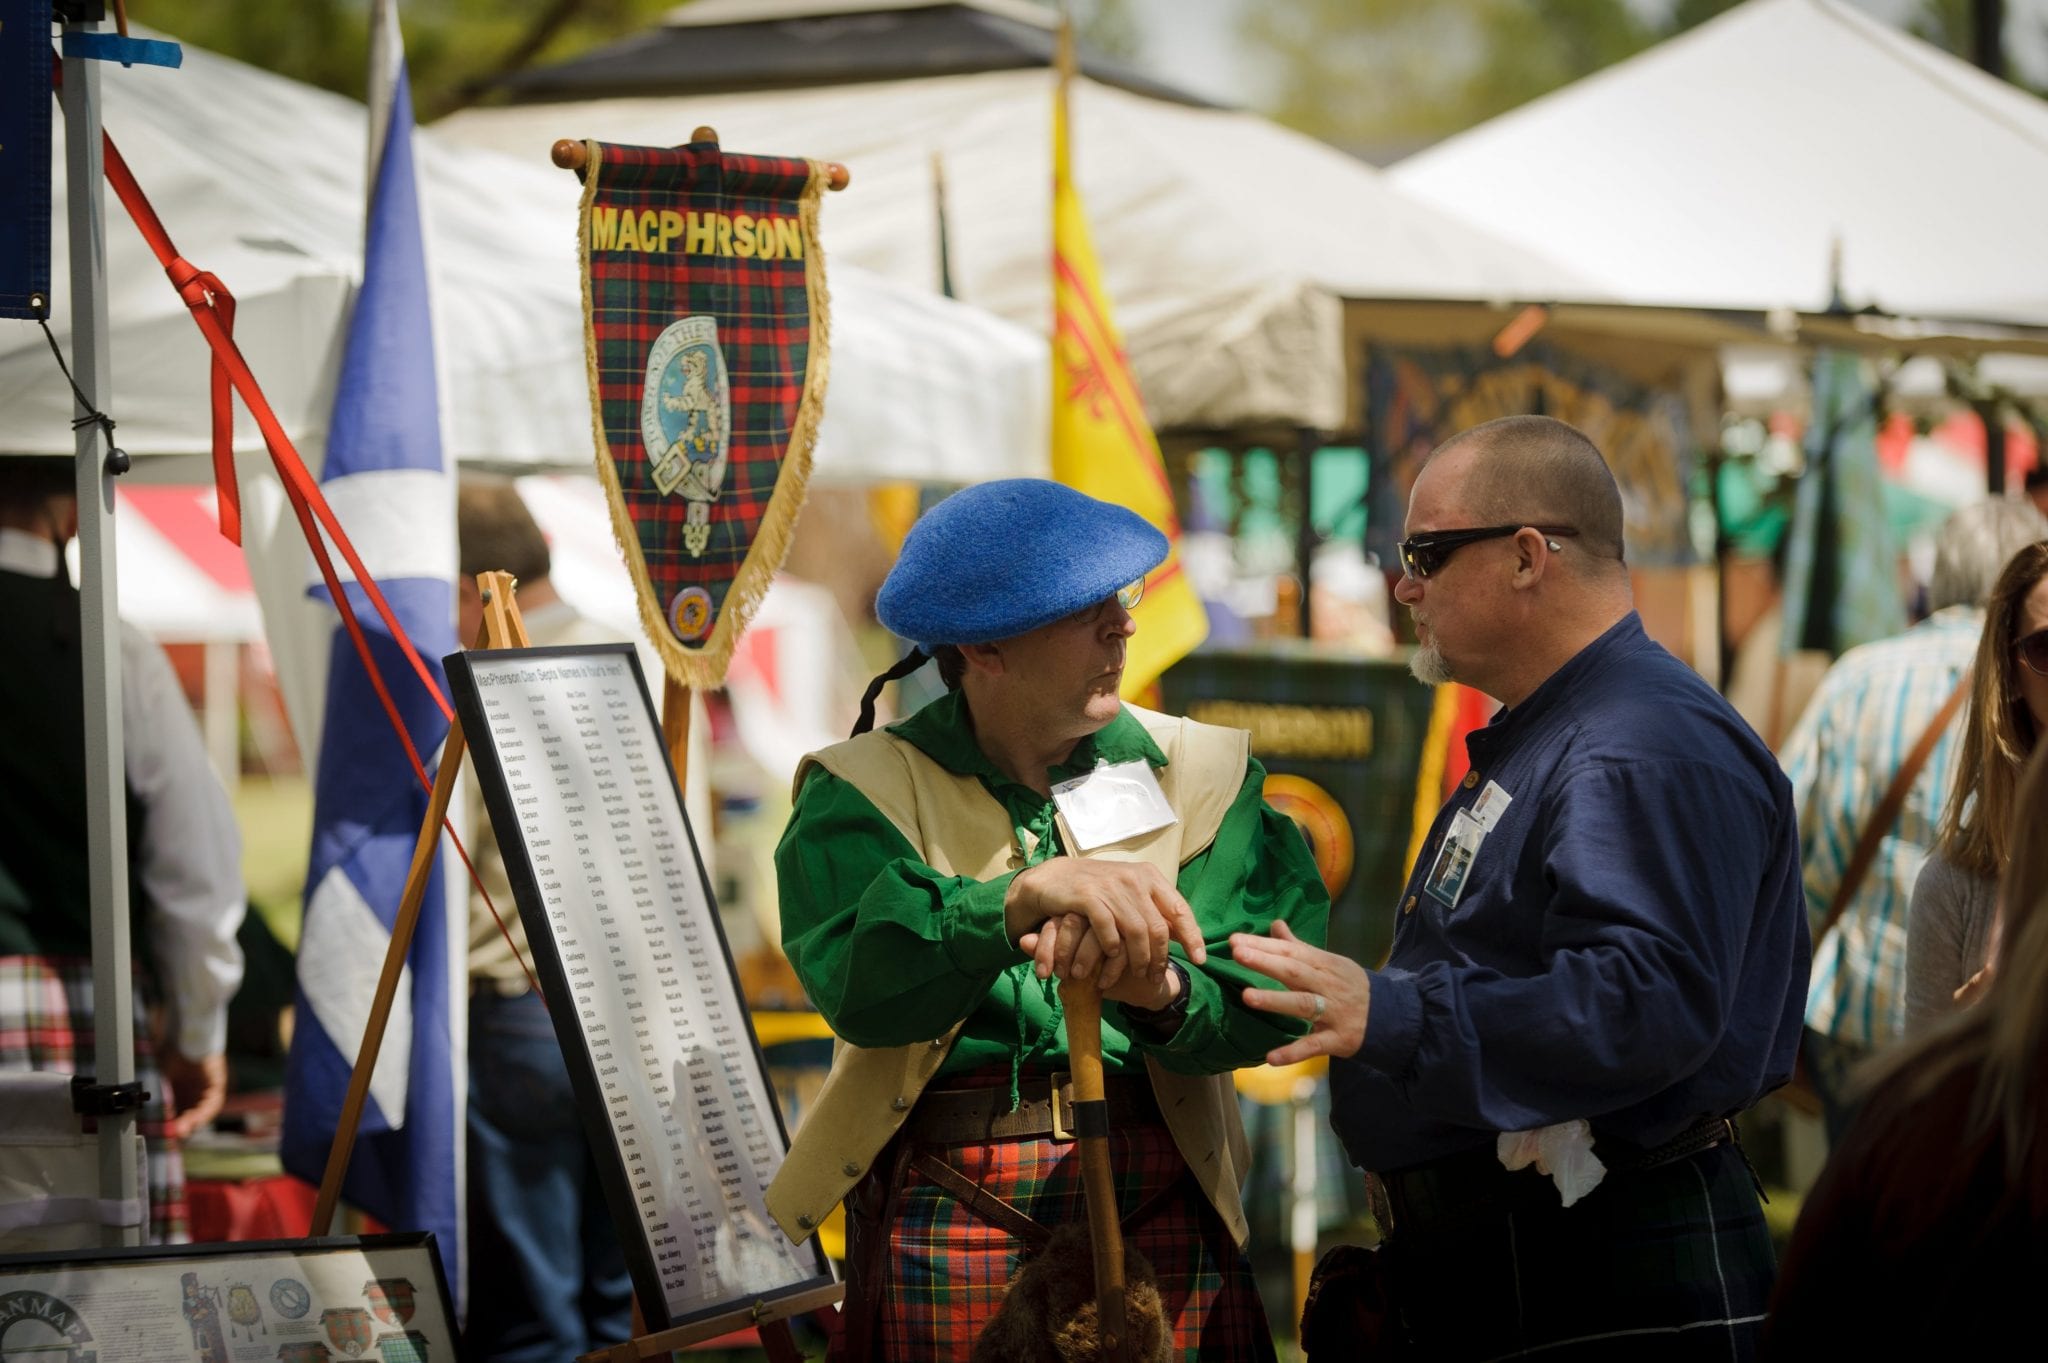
{"points": [[1726, 167], [1226, 241]]}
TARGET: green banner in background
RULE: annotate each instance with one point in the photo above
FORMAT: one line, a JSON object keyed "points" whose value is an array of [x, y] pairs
{"points": [[1340, 738]]}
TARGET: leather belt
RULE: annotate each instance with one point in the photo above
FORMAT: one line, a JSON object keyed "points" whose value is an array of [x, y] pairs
{"points": [[957, 1116], [1704, 1134]]}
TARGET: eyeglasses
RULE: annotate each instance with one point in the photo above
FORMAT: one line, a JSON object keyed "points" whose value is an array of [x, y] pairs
{"points": [[2033, 651], [1128, 596], [1422, 555]]}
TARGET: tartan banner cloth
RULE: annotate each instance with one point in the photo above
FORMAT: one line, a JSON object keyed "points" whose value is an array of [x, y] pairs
{"points": [[948, 1268], [705, 331]]}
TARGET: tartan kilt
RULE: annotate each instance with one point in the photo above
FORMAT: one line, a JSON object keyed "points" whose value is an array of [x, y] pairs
{"points": [[1670, 1262], [948, 1268], [46, 1024]]}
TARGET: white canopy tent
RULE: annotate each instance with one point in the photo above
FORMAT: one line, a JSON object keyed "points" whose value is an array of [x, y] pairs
{"points": [[1724, 168], [260, 180], [1227, 243]]}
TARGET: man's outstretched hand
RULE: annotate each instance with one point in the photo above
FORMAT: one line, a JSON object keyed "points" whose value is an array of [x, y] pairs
{"points": [[1331, 993]]}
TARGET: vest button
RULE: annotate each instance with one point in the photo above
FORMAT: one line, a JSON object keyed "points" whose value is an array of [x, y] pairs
{"points": [[850, 1169], [805, 1220], [899, 1104], [1409, 907], [1471, 780]]}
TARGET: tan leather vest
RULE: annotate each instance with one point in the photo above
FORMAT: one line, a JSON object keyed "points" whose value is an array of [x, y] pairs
{"points": [[959, 830]]}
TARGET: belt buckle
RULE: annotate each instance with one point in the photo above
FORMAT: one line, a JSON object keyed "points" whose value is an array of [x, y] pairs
{"points": [[1062, 1107]]}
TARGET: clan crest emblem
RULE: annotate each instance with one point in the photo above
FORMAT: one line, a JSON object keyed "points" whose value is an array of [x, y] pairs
{"points": [[348, 1328], [686, 421]]}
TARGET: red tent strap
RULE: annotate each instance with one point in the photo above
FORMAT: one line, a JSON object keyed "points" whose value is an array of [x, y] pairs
{"points": [[213, 310], [200, 292]]}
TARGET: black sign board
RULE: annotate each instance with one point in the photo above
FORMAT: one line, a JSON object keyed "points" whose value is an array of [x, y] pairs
{"points": [[637, 974]]}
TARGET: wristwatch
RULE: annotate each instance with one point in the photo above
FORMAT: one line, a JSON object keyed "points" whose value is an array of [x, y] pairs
{"points": [[1160, 1024]]}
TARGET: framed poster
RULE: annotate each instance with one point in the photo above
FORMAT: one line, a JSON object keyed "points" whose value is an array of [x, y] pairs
{"points": [[374, 1298], [637, 975]]}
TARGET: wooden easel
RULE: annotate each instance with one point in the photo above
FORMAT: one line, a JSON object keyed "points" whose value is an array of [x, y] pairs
{"points": [[503, 628]]}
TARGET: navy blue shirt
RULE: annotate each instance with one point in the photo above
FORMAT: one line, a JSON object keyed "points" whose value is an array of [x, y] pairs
{"points": [[1628, 943]]}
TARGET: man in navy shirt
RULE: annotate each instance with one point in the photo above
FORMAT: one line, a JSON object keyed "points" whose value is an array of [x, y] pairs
{"points": [[1603, 945]]}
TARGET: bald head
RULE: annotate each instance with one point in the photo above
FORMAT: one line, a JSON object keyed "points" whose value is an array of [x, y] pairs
{"points": [[1536, 470]]}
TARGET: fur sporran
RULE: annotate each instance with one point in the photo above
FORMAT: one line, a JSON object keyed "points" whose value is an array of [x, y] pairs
{"points": [[1049, 1315]]}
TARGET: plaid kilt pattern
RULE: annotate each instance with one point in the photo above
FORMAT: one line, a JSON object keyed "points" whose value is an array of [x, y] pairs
{"points": [[46, 1024], [764, 312], [1672, 1262], [948, 1269]]}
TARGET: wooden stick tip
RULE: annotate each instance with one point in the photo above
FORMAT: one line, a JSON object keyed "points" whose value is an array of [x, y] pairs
{"points": [[704, 133], [837, 176], [569, 154]]}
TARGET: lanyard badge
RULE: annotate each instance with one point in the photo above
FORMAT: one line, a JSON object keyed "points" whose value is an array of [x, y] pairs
{"points": [[1469, 827], [1112, 804]]}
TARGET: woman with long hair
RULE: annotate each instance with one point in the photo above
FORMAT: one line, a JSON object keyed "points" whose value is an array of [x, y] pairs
{"points": [[1952, 925], [1928, 1230]]}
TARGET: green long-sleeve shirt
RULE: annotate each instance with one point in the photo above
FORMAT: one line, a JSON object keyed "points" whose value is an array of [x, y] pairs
{"points": [[893, 952]]}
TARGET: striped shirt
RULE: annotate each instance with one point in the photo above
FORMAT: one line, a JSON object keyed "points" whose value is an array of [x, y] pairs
{"points": [[1870, 710]]}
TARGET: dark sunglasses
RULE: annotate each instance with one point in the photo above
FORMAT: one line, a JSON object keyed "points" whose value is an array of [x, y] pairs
{"points": [[2033, 651], [1422, 555]]}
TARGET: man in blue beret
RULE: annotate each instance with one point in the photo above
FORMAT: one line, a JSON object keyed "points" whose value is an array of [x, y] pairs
{"points": [[937, 874]]}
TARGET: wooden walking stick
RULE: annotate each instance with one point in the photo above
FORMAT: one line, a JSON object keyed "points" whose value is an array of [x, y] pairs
{"points": [[1082, 1003]]}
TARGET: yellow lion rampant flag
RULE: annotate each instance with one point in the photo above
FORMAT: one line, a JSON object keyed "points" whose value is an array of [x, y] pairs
{"points": [[1102, 443]]}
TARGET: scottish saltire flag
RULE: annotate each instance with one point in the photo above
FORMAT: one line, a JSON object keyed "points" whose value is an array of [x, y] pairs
{"points": [[387, 478]]}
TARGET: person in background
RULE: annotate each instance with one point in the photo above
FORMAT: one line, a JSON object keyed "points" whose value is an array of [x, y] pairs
{"points": [[1872, 710], [2037, 486], [1952, 933], [1601, 952], [548, 1276], [1929, 1226], [184, 849]]}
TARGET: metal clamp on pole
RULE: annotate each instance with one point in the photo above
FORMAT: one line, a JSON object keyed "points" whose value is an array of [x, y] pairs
{"points": [[90, 1099]]}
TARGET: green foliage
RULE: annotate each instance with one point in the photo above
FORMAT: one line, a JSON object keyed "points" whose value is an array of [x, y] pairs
{"points": [[1377, 74], [1388, 76], [453, 47]]}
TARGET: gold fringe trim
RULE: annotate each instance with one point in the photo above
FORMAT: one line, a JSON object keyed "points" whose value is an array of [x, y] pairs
{"points": [[703, 668]]}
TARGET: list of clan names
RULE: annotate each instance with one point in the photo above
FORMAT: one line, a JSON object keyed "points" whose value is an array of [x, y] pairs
{"points": [[581, 756]]}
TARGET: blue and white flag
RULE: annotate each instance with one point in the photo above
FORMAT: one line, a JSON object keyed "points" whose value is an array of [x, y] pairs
{"points": [[386, 476]]}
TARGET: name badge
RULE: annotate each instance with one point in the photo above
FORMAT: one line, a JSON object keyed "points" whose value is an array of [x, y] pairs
{"points": [[1491, 804], [1113, 804], [1453, 864]]}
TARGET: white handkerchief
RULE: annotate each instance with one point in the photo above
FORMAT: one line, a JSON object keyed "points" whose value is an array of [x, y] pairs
{"points": [[1563, 1151]]}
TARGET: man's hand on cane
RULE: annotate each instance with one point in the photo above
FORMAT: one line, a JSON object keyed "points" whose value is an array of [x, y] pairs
{"points": [[1131, 913]]}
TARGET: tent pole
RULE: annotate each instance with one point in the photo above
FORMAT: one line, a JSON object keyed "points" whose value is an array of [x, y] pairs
{"points": [[99, 630]]}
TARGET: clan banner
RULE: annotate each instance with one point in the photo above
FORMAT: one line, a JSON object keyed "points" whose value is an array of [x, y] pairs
{"points": [[705, 332]]}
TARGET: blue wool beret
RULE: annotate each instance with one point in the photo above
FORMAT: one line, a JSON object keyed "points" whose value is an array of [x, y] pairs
{"points": [[1000, 559]]}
